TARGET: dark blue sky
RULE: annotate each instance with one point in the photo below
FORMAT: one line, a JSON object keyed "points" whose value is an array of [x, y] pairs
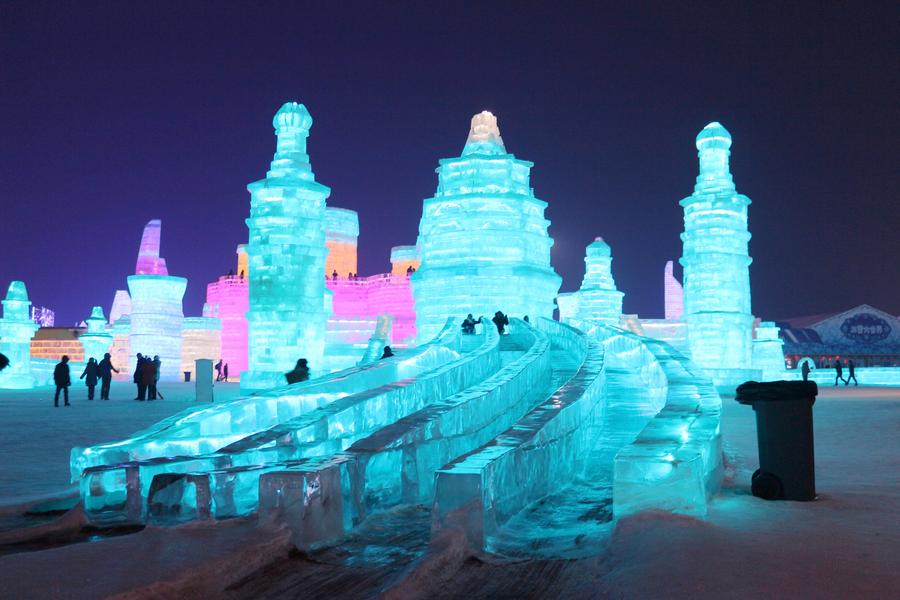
{"points": [[113, 114]]}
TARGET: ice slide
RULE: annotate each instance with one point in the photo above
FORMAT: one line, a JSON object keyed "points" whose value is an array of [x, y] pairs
{"points": [[246, 442]]}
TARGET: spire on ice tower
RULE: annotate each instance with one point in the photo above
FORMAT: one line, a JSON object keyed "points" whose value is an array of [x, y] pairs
{"points": [[292, 123], [484, 135], [148, 261], [713, 146]]}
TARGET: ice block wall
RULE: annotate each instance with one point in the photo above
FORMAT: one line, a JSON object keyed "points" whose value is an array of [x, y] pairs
{"points": [[96, 341], [598, 300], [341, 235], [121, 347], [229, 298], [403, 258], [768, 352], [16, 331], [483, 238], [716, 261], [202, 339], [286, 250], [673, 294], [156, 307]]}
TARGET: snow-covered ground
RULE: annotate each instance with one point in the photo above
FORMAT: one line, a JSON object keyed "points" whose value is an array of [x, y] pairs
{"points": [[35, 437], [844, 545]]}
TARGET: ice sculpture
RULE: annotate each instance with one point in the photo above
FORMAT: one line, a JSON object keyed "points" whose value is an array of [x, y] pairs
{"points": [[121, 306], [286, 250], [202, 338], [229, 297], [341, 234], [716, 265], [483, 238], [673, 294], [598, 300], [148, 261], [96, 341], [156, 309], [16, 331], [768, 352], [404, 258]]}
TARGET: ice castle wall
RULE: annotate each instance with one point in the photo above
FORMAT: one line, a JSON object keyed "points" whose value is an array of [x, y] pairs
{"points": [[483, 238]]}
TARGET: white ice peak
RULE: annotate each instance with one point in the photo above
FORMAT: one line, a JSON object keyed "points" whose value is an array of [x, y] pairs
{"points": [[484, 129]]}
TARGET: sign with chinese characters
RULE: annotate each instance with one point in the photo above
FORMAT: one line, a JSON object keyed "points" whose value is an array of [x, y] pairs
{"points": [[865, 328]]}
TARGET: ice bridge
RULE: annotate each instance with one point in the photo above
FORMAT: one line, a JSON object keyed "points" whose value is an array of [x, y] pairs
{"points": [[528, 443]]}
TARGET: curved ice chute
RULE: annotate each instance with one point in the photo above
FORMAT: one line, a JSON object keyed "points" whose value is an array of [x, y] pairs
{"points": [[380, 338], [205, 430], [675, 463], [322, 431], [478, 492], [148, 260]]}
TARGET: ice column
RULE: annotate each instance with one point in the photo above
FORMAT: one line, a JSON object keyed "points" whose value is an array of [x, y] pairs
{"points": [[96, 340], [674, 294], [483, 238], [600, 300], [341, 235], [16, 331], [715, 260], [768, 351], [156, 309], [286, 250]]}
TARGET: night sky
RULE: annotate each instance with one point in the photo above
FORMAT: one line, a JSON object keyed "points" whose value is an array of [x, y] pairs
{"points": [[114, 114]]}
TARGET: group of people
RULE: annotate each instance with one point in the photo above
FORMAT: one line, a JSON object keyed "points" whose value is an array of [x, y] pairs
{"points": [[221, 371], [93, 372], [146, 376], [500, 320], [838, 372], [350, 276]]}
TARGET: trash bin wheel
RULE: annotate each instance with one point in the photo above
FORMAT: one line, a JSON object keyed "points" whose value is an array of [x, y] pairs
{"points": [[766, 486]]}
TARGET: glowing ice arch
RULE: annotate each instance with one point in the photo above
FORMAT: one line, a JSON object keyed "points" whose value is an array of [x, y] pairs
{"points": [[117, 492], [396, 464], [204, 430]]}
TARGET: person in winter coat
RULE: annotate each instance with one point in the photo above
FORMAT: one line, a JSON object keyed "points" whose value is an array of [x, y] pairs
{"points": [[157, 369], [105, 370], [62, 380], [387, 352], [90, 376], [804, 370], [4, 362], [501, 321], [299, 373], [839, 373], [148, 376], [138, 380]]}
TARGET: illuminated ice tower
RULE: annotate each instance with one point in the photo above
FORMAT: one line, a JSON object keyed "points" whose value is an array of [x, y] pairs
{"points": [[483, 238], [156, 309], [598, 300], [96, 340], [341, 235], [716, 264], [286, 249], [16, 331]]}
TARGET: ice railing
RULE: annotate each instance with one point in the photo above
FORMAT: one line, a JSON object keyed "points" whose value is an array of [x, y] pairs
{"points": [[479, 491], [205, 430], [396, 464], [228, 480], [675, 463]]}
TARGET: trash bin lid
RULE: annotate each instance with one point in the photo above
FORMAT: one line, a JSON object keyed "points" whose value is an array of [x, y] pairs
{"points": [[754, 391]]}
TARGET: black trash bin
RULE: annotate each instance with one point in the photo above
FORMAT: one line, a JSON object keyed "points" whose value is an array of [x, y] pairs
{"points": [[784, 432], [187, 376]]}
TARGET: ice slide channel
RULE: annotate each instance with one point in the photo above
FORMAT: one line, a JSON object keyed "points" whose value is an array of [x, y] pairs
{"points": [[479, 491], [225, 483], [200, 431], [675, 463], [323, 498]]}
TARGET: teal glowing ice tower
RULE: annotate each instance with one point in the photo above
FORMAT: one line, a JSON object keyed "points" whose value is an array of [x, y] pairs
{"points": [[598, 300], [157, 313], [16, 331], [483, 238], [717, 265], [96, 340], [287, 252]]}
